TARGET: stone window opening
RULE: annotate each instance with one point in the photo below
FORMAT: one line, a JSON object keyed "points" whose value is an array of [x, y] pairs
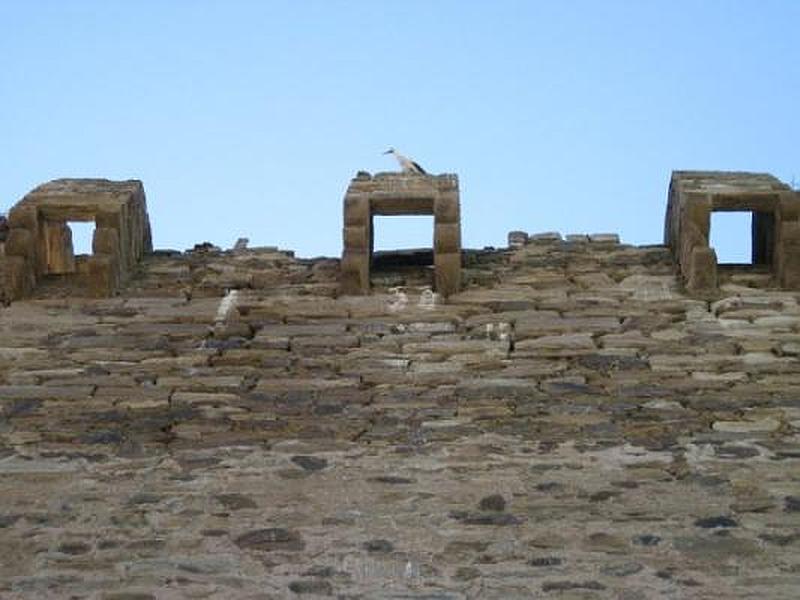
{"points": [[743, 239], [402, 244], [82, 237]]}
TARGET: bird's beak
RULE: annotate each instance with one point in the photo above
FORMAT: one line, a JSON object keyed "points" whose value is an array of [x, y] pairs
{"points": [[389, 151]]}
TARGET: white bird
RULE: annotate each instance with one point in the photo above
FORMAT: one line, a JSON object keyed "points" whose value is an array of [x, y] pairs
{"points": [[409, 166]]}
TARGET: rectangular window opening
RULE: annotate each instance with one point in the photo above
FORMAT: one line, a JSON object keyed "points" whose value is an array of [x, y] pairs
{"points": [[743, 238], [402, 249], [82, 235]]}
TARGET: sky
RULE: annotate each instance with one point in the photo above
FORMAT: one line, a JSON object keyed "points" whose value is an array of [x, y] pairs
{"points": [[249, 118]]}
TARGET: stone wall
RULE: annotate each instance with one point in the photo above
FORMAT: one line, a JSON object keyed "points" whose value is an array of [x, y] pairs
{"points": [[570, 424], [39, 239]]}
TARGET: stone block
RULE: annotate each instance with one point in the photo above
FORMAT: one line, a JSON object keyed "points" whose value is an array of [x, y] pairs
{"points": [[105, 241], [59, 252], [447, 238], [102, 278], [23, 217], [20, 242], [702, 269], [19, 277], [448, 273], [604, 238], [355, 273], [446, 209], [546, 236], [517, 239], [110, 219], [356, 210], [577, 238], [356, 239]]}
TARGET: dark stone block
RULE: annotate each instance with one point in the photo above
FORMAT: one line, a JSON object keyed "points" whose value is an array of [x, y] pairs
{"points": [[378, 546], [310, 463], [311, 586], [271, 539], [714, 522]]}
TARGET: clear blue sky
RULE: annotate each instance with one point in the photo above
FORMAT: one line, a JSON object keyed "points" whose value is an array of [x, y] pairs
{"points": [[249, 118]]}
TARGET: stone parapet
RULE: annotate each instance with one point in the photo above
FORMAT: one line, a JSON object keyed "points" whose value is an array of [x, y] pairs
{"points": [[694, 195], [401, 194], [39, 241]]}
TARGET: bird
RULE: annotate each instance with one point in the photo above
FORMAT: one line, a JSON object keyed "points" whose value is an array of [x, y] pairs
{"points": [[409, 166]]}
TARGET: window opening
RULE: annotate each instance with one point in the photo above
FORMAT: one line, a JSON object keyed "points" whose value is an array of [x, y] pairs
{"points": [[731, 236], [82, 235]]}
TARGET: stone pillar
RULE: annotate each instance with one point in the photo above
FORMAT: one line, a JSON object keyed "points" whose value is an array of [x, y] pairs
{"points": [[447, 242], [763, 238], [59, 255], [699, 259], [787, 253], [22, 251], [357, 236]]}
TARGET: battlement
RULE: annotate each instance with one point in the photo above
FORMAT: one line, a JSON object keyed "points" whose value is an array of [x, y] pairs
{"points": [[39, 240], [694, 195], [401, 194]]}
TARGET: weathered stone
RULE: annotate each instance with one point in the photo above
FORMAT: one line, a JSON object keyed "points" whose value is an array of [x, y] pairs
{"points": [[604, 238], [494, 502], [310, 463], [271, 539], [235, 501], [711, 522], [623, 569], [747, 426], [560, 586], [311, 586], [517, 239], [378, 546]]}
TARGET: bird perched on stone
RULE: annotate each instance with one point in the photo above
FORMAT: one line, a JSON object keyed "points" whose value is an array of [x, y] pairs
{"points": [[409, 166]]}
